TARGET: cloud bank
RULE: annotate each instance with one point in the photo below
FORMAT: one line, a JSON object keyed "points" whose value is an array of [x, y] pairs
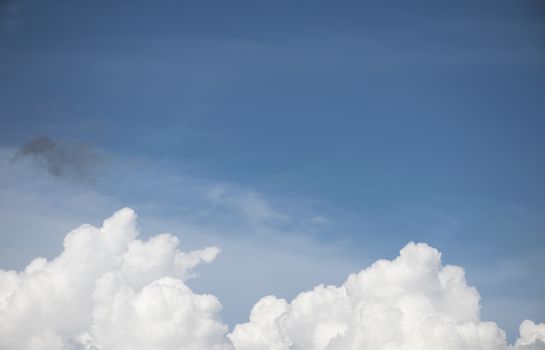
{"points": [[109, 290]]}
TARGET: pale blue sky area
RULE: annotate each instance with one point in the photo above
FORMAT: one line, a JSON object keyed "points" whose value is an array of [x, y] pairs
{"points": [[355, 125]]}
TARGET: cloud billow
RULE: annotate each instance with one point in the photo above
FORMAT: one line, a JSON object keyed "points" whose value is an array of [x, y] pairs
{"points": [[412, 302], [109, 290]]}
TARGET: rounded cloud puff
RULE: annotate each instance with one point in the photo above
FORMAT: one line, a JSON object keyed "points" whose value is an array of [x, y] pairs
{"points": [[108, 290], [410, 303]]}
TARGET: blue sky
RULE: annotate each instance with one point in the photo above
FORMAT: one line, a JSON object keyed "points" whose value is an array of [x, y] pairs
{"points": [[334, 132]]}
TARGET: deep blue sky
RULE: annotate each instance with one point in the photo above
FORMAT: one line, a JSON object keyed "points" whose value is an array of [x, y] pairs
{"points": [[393, 120]]}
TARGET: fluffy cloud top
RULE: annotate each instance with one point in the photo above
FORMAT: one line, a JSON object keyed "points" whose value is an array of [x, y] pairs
{"points": [[108, 290], [412, 302]]}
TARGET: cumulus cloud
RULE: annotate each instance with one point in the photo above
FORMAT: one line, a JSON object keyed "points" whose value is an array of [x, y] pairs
{"points": [[61, 159], [110, 290], [410, 303]]}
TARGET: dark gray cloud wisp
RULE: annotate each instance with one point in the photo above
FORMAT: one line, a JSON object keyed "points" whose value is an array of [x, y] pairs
{"points": [[71, 160]]}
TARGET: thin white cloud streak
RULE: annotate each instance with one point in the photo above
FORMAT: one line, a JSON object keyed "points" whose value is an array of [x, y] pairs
{"points": [[110, 290]]}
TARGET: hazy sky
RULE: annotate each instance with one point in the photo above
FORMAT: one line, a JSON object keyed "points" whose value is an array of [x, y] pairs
{"points": [[309, 138]]}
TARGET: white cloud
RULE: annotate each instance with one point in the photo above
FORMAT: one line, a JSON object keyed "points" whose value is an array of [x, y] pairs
{"points": [[109, 290], [250, 205], [412, 302], [58, 306], [532, 336], [39, 208]]}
